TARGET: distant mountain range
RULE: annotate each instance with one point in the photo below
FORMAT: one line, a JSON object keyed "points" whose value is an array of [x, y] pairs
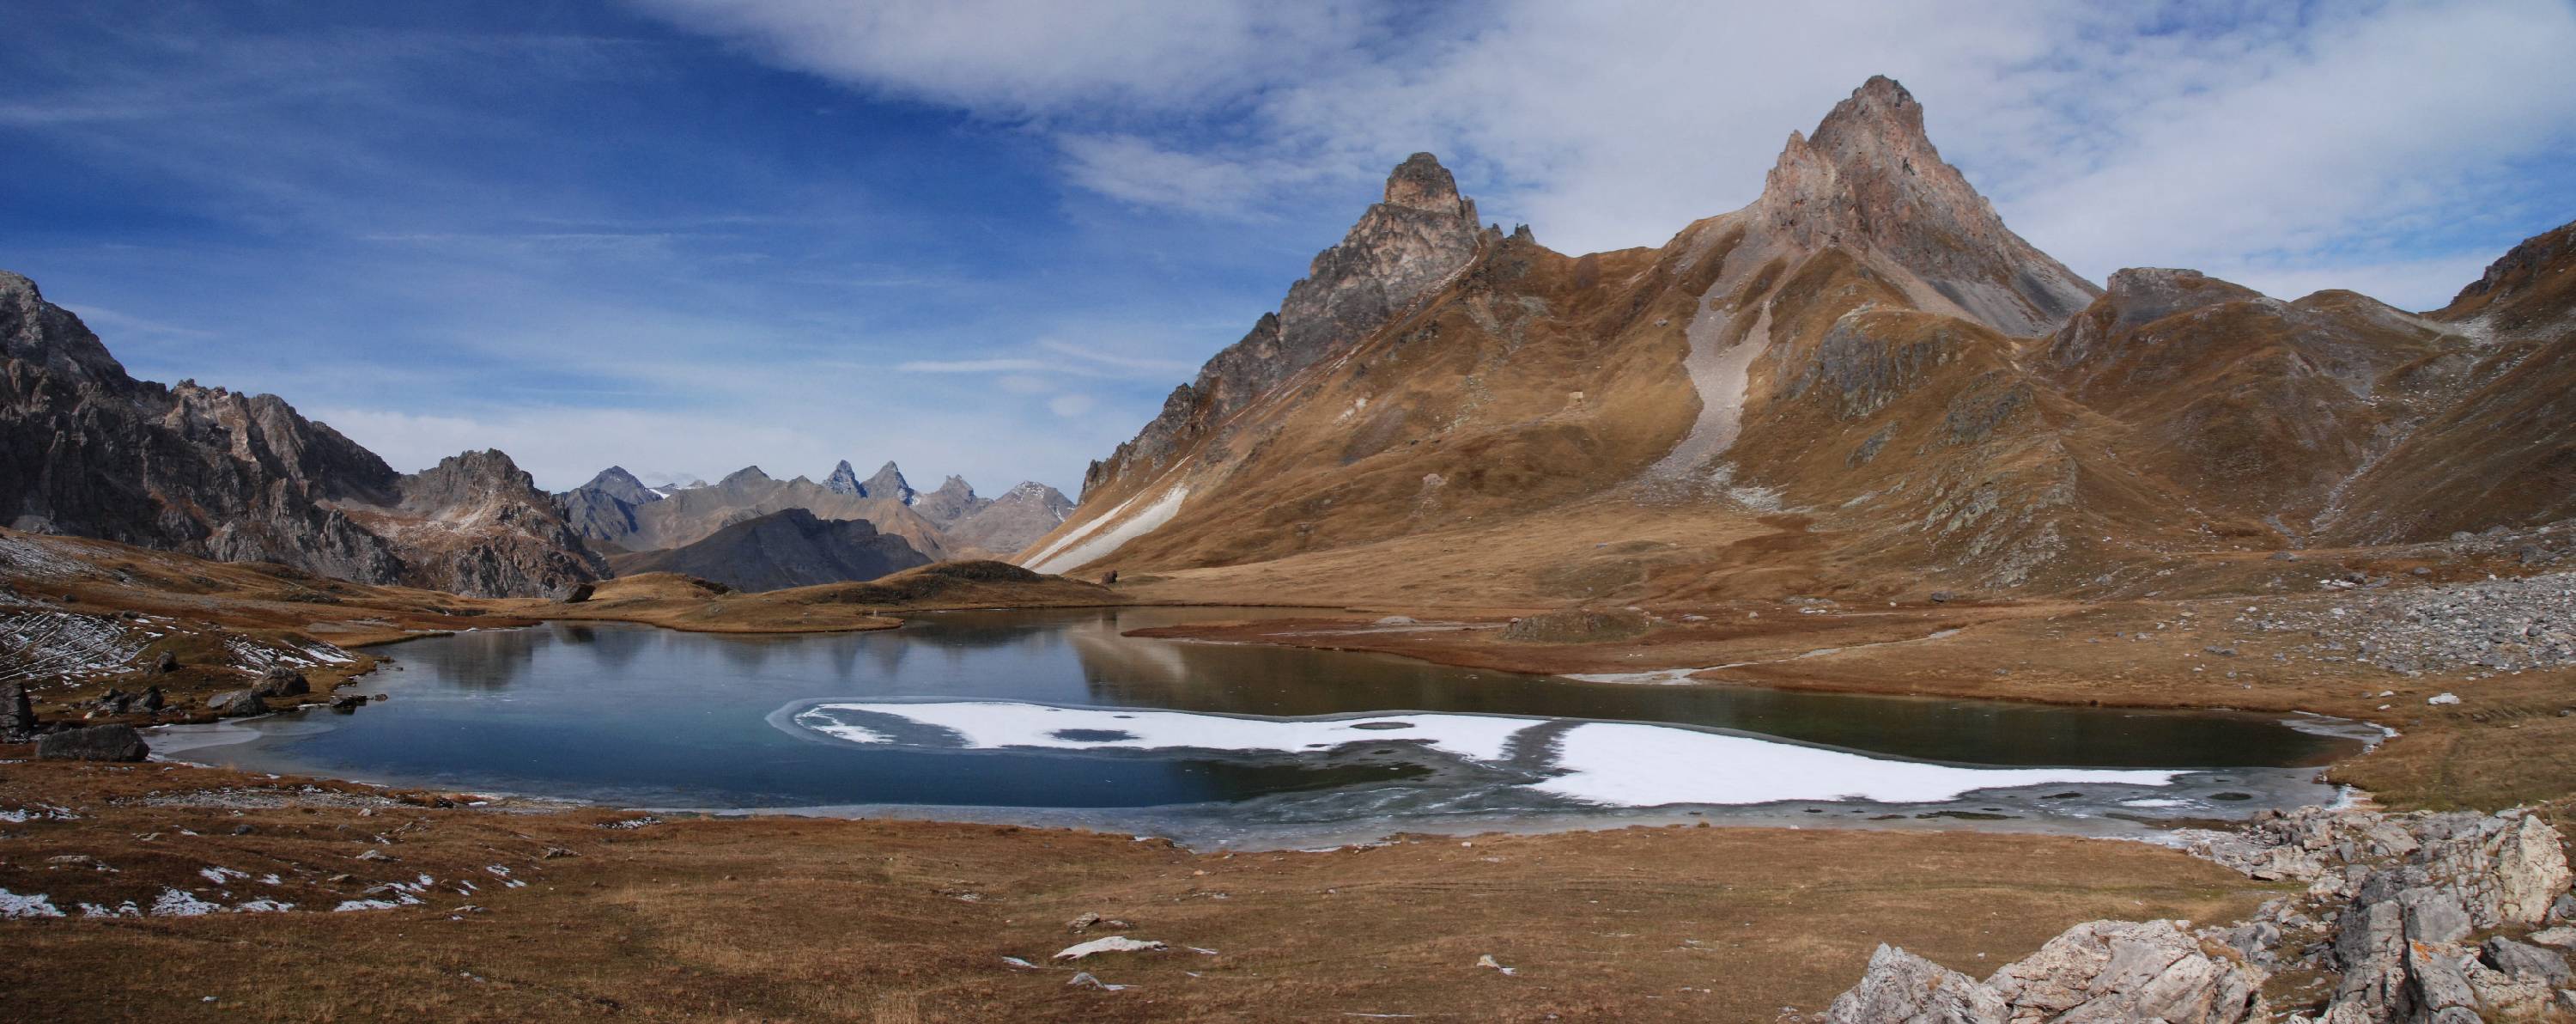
{"points": [[1862, 379], [87, 449], [617, 513], [789, 548]]}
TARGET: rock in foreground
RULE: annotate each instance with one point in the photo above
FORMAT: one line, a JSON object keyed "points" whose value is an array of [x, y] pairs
{"points": [[96, 743]]}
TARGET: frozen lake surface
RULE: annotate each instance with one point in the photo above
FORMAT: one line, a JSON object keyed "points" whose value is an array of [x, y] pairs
{"points": [[1054, 717]]}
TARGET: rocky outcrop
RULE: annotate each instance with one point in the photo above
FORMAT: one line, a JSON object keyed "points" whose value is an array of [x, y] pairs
{"points": [[2096, 971], [1900, 986], [477, 524], [2394, 906], [94, 743], [783, 549], [687, 516], [86, 449], [1418, 237]]}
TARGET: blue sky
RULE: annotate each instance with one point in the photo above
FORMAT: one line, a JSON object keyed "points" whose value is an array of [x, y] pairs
{"points": [[986, 236]]}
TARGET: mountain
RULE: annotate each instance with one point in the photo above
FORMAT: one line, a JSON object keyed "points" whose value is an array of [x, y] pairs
{"points": [[87, 449], [889, 483], [844, 480], [1013, 521], [1863, 379], [683, 517], [954, 500], [611, 510], [783, 549], [605, 507]]}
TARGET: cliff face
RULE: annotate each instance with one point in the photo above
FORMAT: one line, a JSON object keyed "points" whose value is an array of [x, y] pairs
{"points": [[86, 449], [1421, 235]]}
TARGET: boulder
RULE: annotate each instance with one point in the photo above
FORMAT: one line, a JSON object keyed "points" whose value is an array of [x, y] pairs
{"points": [[576, 594], [2526, 962], [236, 703], [95, 743], [166, 663], [2121, 970], [348, 702], [1900, 986], [17, 713], [282, 681], [2530, 870], [151, 700]]}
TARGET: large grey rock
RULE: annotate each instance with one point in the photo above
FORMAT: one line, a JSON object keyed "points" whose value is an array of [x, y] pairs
{"points": [[17, 713], [2525, 961], [282, 681], [95, 743], [236, 703], [2122, 971], [1901, 988]]}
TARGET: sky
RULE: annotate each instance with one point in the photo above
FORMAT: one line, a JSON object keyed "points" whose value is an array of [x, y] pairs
{"points": [[986, 237]]}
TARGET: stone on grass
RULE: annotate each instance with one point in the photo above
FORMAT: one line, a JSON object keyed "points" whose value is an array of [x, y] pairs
{"points": [[95, 743]]}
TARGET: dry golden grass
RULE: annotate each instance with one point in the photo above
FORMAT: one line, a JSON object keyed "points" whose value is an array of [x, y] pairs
{"points": [[801, 919]]}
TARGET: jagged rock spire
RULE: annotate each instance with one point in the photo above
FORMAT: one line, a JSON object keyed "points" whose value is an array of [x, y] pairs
{"points": [[1421, 234], [844, 480], [1870, 180]]}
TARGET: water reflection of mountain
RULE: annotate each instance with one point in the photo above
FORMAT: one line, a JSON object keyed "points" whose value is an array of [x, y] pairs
{"points": [[482, 659], [1251, 680]]}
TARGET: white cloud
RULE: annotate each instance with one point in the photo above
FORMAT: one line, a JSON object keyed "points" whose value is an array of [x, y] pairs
{"points": [[2361, 138]]}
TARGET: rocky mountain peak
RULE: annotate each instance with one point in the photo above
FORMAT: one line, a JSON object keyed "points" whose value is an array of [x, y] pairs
{"points": [[889, 483], [468, 480], [1400, 249], [1869, 180], [48, 335], [1420, 183], [745, 475], [957, 487], [2541, 269], [616, 482], [844, 480]]}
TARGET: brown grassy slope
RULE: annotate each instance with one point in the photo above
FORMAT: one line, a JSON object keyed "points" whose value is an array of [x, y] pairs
{"points": [[2502, 454], [1536, 380], [841, 920], [680, 602]]}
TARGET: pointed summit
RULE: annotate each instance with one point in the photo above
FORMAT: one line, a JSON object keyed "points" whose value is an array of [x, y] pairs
{"points": [[889, 483], [616, 482], [1420, 183], [954, 500], [843, 480], [1869, 180], [1402, 248]]}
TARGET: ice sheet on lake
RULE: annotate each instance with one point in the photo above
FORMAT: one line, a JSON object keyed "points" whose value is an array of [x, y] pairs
{"points": [[1602, 763]]}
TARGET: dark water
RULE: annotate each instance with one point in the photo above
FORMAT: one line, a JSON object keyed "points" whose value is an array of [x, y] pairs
{"points": [[652, 717]]}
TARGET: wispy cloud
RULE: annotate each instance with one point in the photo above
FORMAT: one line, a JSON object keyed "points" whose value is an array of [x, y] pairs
{"points": [[2367, 137]]}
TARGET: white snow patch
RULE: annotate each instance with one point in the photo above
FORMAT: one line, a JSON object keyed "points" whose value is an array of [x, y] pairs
{"points": [[38, 812], [1618, 764], [1103, 543], [14, 906], [221, 875], [264, 907], [1070, 536], [997, 724], [1646, 765], [125, 909], [2443, 698], [181, 903], [347, 905]]}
